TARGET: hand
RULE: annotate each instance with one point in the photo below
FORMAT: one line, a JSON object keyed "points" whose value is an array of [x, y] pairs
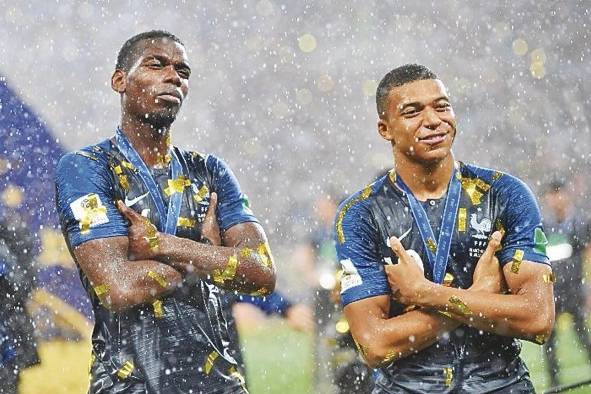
{"points": [[406, 279], [488, 274], [300, 318], [142, 235], [211, 229]]}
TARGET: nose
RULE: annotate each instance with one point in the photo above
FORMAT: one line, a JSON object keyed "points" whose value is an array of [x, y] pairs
{"points": [[173, 76], [431, 119]]}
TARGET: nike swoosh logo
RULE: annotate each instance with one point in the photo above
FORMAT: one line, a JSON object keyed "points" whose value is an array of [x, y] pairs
{"points": [[133, 201], [404, 235]]}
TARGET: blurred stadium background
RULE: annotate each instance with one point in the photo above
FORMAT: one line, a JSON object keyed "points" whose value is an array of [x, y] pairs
{"points": [[284, 92]]}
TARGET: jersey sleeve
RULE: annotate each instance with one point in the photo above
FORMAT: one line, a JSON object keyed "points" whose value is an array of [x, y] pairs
{"points": [[272, 304], [86, 201], [357, 242], [233, 206], [524, 237]]}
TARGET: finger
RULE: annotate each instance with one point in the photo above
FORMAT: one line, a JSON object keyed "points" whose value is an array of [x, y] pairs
{"points": [[213, 202], [493, 245], [129, 213], [399, 250]]}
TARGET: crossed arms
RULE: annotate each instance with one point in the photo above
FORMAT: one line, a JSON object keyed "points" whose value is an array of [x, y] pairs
{"points": [[131, 272], [526, 311]]}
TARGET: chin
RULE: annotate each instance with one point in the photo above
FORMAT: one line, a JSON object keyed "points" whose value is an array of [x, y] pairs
{"points": [[161, 119]]}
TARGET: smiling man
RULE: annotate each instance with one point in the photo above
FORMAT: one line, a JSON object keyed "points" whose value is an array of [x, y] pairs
{"points": [[444, 262], [155, 231]]}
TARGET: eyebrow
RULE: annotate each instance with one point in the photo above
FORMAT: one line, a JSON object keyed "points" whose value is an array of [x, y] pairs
{"points": [[403, 106]]}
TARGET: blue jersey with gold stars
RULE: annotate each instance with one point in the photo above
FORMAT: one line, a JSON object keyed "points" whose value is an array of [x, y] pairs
{"points": [[180, 345], [490, 200]]}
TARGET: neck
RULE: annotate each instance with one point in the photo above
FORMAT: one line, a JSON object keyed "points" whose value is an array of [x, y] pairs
{"points": [[150, 142], [426, 181]]}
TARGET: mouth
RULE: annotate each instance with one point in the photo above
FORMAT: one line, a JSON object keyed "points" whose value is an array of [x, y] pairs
{"points": [[433, 139], [171, 97]]}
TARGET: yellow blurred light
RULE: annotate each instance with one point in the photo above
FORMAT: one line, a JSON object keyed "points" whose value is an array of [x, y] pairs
{"points": [[369, 87], [538, 56], [520, 47], [342, 327], [537, 70], [307, 43], [304, 96], [12, 196]]}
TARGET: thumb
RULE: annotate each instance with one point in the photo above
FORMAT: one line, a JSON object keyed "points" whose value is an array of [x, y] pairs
{"points": [[398, 249], [211, 210], [129, 213], [493, 245]]}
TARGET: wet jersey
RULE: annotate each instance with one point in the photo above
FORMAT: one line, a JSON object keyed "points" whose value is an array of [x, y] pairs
{"points": [[179, 344], [489, 200]]}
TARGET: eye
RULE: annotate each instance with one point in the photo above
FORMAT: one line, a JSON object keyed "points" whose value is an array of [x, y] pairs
{"points": [[410, 113], [184, 73], [443, 107]]}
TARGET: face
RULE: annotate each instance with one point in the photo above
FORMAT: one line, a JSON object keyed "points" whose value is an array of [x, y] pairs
{"points": [[154, 88], [557, 201], [419, 121]]}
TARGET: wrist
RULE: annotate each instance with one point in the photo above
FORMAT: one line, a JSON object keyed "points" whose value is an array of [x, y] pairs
{"points": [[163, 245], [425, 293]]}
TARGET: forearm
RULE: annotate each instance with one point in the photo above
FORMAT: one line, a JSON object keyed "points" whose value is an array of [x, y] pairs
{"points": [[514, 315], [398, 337], [136, 283], [249, 270]]}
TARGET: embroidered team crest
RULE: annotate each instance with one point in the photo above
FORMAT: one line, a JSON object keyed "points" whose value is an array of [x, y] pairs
{"points": [[482, 228]]}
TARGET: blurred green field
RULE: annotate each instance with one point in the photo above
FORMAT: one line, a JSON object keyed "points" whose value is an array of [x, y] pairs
{"points": [[280, 360]]}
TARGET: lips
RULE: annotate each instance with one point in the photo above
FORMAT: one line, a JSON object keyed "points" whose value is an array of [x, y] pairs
{"points": [[171, 96], [433, 139]]}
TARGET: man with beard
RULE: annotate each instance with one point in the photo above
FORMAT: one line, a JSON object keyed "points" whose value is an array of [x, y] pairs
{"points": [[155, 231], [439, 320]]}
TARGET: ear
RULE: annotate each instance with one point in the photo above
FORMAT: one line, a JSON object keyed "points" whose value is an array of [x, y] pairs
{"points": [[384, 130], [118, 82]]}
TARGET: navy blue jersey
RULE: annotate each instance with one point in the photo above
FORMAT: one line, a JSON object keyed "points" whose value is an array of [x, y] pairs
{"points": [[184, 346], [490, 200]]}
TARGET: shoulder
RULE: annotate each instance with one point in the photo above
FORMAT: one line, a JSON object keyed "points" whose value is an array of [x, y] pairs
{"points": [[356, 208], [487, 178], [87, 158]]}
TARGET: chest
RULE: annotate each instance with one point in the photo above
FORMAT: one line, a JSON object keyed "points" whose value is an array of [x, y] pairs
{"points": [[473, 225]]}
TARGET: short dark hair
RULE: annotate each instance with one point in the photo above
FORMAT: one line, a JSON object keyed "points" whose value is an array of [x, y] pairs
{"points": [[398, 77], [128, 52]]}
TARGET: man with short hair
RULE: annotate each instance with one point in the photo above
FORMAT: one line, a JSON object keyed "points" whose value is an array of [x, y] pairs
{"points": [[154, 283], [422, 288], [569, 236]]}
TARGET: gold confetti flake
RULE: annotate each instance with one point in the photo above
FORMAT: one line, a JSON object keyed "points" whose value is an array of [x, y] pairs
{"points": [[228, 274], [390, 356], [163, 160], [462, 215], [263, 291], [201, 193], [469, 186], [540, 339], [209, 362], [100, 290], [549, 278], [517, 259], [152, 232], [448, 279], [158, 278], [177, 185], [125, 370], [235, 374], [496, 175], [432, 245], [87, 155], [448, 374], [341, 216], [158, 312], [392, 175], [264, 254], [444, 313], [459, 305], [128, 165], [186, 222]]}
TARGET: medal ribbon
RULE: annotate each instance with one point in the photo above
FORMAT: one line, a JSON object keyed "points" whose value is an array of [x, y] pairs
{"points": [[168, 218], [437, 253]]}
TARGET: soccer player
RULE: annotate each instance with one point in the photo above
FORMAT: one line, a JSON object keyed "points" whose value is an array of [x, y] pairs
{"points": [[156, 231], [422, 289], [568, 242]]}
